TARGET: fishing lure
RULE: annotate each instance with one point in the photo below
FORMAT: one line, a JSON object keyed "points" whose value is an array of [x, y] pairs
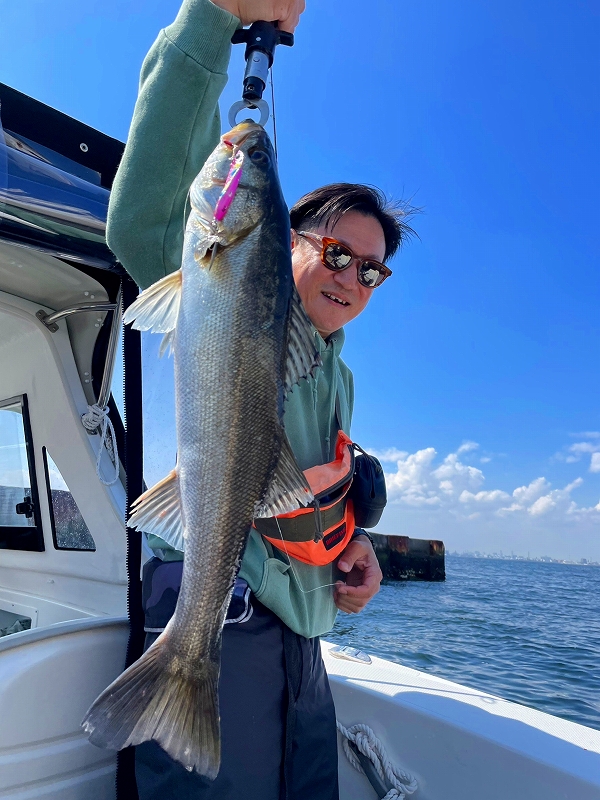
{"points": [[230, 188]]}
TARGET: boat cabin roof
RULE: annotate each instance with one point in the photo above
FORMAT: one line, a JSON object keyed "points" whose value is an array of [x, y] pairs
{"points": [[55, 180]]}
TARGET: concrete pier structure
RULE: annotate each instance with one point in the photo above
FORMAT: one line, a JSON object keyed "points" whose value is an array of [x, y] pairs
{"points": [[405, 559]]}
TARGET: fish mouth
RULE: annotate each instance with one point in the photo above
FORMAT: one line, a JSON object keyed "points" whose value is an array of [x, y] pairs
{"points": [[238, 135]]}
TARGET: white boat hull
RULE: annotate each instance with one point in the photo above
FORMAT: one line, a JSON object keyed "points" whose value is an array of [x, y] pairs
{"points": [[461, 743], [48, 679]]}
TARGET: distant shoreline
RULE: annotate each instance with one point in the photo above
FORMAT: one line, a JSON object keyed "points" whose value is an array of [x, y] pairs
{"points": [[539, 560]]}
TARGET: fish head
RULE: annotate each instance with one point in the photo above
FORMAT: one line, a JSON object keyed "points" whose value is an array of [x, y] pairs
{"points": [[230, 194]]}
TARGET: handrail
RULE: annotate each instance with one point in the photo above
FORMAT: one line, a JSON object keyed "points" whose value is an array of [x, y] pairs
{"points": [[50, 320], [111, 351], [49, 631]]}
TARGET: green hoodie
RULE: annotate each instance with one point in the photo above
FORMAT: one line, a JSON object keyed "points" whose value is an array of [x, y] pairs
{"points": [[175, 127]]}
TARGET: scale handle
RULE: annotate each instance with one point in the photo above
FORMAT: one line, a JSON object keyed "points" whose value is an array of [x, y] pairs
{"points": [[261, 39]]}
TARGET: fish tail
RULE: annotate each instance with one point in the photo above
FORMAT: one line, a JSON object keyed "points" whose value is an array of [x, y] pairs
{"points": [[149, 701]]}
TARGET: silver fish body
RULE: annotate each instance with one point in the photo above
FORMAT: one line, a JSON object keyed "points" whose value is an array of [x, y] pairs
{"points": [[240, 340]]}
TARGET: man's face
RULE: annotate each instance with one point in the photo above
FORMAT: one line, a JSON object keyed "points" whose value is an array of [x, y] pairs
{"points": [[332, 299]]}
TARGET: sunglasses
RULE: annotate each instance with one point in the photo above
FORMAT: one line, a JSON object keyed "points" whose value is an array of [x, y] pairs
{"points": [[337, 257]]}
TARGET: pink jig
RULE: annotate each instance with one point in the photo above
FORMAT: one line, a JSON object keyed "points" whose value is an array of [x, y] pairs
{"points": [[230, 188]]}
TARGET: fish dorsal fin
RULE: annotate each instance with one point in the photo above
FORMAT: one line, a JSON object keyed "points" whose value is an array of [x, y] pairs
{"points": [[158, 511], [303, 357], [157, 308], [289, 489]]}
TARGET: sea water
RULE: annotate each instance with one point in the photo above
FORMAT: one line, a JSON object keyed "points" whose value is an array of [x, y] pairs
{"points": [[523, 630]]}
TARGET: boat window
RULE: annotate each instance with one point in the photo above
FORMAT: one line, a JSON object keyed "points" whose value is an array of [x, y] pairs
{"points": [[13, 623], [160, 437], [116, 386], [69, 530], [20, 527]]}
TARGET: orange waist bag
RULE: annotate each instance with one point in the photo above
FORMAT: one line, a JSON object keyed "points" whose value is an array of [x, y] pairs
{"points": [[332, 512]]}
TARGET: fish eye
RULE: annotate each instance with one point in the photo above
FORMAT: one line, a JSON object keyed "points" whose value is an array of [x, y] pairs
{"points": [[259, 157]]}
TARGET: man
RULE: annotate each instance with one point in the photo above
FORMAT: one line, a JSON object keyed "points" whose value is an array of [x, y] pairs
{"points": [[277, 716]]}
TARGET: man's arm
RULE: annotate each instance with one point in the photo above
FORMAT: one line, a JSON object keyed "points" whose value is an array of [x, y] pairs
{"points": [[175, 127]]}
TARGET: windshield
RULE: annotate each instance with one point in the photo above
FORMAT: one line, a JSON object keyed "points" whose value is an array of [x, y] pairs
{"points": [[158, 407]]}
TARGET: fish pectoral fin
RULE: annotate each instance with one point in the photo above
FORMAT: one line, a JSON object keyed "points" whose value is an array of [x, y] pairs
{"points": [[289, 489], [303, 357], [157, 308], [158, 511]]}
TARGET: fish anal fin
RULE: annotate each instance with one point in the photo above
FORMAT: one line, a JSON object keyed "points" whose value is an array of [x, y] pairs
{"points": [[288, 490], [158, 511], [166, 346], [157, 308], [303, 356]]}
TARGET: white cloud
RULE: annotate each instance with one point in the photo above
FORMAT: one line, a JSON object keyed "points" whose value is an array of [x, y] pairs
{"points": [[580, 512], [584, 447], [484, 497], [417, 482], [454, 488], [526, 494], [411, 483], [579, 449], [466, 447], [389, 455], [457, 473], [586, 435], [555, 499], [542, 505], [538, 498]]}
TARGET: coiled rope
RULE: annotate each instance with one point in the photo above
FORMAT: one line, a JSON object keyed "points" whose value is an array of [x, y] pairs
{"points": [[401, 782], [96, 417]]}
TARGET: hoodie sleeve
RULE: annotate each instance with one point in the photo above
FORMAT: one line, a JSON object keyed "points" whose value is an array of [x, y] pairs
{"points": [[175, 126]]}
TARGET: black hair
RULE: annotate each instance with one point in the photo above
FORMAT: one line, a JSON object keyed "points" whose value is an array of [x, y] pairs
{"points": [[329, 204]]}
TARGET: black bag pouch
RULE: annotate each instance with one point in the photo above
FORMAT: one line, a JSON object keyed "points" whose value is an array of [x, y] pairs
{"points": [[367, 492]]}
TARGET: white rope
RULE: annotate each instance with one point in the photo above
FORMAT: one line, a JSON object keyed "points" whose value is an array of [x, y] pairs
{"points": [[94, 418], [368, 744]]}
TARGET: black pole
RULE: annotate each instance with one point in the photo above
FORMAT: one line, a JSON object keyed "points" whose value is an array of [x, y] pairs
{"points": [[134, 469]]}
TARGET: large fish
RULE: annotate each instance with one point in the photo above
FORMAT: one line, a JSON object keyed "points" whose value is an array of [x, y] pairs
{"points": [[241, 340]]}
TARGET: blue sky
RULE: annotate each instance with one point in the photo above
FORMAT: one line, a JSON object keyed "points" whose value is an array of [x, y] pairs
{"points": [[486, 115]]}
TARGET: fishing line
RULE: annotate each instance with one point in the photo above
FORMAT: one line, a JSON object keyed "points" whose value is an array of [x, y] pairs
{"points": [[296, 576], [273, 115], [213, 253]]}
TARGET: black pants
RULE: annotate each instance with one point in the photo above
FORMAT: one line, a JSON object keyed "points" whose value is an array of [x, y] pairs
{"points": [[278, 736]]}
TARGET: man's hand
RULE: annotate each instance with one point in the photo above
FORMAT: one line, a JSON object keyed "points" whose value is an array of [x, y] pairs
{"points": [[362, 579], [285, 12]]}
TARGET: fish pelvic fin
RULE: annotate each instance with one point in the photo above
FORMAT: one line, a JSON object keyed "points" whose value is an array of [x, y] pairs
{"points": [[158, 511], [157, 308], [303, 357], [288, 489], [152, 700]]}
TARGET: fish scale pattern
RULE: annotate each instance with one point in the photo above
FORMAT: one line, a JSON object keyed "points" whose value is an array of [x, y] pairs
{"points": [[236, 321]]}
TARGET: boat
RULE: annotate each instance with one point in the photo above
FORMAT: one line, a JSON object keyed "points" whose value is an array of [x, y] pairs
{"points": [[69, 568]]}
